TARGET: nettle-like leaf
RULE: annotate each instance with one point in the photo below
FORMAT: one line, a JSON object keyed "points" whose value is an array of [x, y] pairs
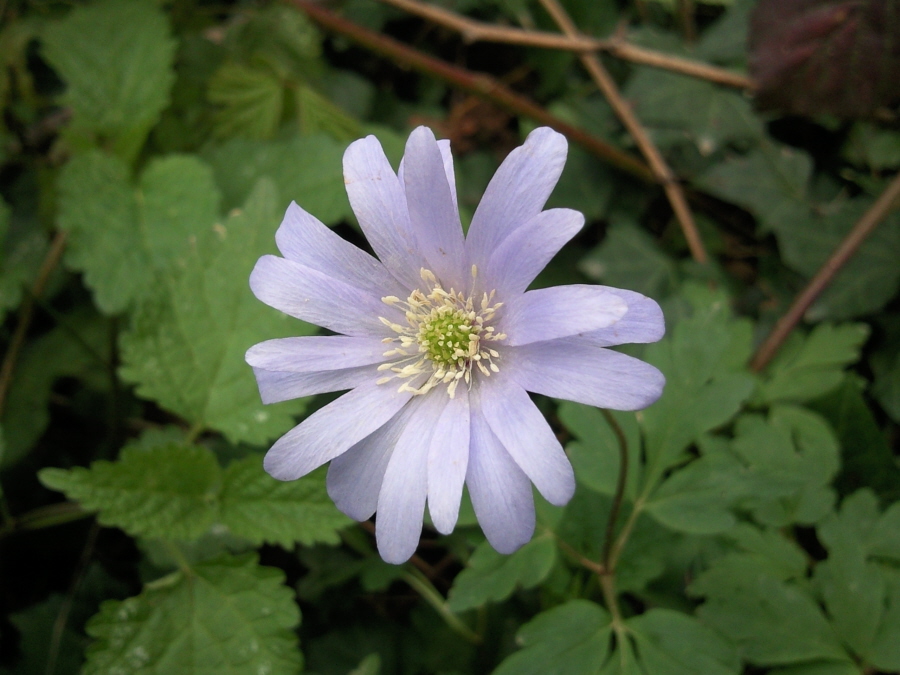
{"points": [[186, 343], [115, 59], [225, 616], [250, 101], [305, 169], [837, 57], [576, 639], [177, 491], [492, 577], [122, 237], [808, 367], [258, 508]]}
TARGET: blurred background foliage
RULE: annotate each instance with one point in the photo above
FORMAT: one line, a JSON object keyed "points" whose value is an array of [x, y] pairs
{"points": [[147, 152]]}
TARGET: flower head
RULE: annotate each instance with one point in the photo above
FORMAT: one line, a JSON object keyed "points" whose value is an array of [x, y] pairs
{"points": [[439, 342]]}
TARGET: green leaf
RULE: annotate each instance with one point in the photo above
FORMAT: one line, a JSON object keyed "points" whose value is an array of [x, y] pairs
{"points": [[492, 577], [185, 346], [225, 616], [318, 114], [885, 652], [36, 627], [820, 668], [22, 248], [250, 100], [595, 456], [772, 622], [706, 114], [305, 169], [168, 492], [122, 237], [809, 367], [677, 644], [115, 59], [572, 639], [260, 509], [870, 146], [793, 457], [78, 347], [630, 258], [885, 363], [702, 359]]}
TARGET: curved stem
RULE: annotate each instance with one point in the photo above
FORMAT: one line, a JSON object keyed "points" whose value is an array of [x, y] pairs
{"points": [[857, 235], [616, 507], [420, 583]]}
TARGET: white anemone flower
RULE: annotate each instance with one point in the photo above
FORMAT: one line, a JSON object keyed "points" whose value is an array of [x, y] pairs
{"points": [[439, 342]]}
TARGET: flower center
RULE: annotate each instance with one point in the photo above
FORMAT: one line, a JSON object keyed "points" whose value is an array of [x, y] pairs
{"points": [[445, 336]]}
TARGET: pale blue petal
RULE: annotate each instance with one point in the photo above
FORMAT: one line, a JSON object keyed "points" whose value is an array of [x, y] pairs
{"points": [[500, 490], [576, 370], [559, 311], [379, 202], [332, 430], [448, 458], [316, 352], [527, 250], [517, 192], [527, 437], [354, 478], [447, 158], [642, 323], [432, 210], [304, 239], [401, 501], [278, 385], [318, 298]]}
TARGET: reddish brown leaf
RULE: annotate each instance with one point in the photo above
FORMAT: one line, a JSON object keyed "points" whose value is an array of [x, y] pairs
{"points": [[838, 57]]}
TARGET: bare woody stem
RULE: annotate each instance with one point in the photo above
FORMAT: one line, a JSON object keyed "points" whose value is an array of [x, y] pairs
{"points": [[857, 235], [661, 170], [480, 85], [472, 30]]}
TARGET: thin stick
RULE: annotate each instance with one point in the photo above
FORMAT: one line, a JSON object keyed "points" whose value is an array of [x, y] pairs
{"points": [[51, 260], [862, 229], [479, 31], [661, 170], [481, 85]]}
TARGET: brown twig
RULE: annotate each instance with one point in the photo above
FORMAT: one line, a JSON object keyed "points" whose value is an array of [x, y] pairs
{"points": [[857, 235], [479, 31], [481, 85], [661, 170], [51, 260]]}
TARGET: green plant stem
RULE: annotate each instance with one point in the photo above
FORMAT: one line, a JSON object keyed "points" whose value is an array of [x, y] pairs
{"points": [[479, 84], [420, 583], [842, 254], [620, 488], [46, 516]]}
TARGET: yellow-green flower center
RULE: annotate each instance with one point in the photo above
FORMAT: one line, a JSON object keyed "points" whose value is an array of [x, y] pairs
{"points": [[444, 337]]}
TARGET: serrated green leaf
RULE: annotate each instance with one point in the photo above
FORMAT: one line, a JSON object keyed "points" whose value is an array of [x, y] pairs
{"points": [[820, 668], [492, 577], [630, 258], [771, 621], [115, 59], [185, 347], [572, 639], [305, 169], [250, 101], [259, 508], [122, 237], [226, 616], [677, 644], [167, 492], [812, 366], [317, 114], [885, 652]]}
